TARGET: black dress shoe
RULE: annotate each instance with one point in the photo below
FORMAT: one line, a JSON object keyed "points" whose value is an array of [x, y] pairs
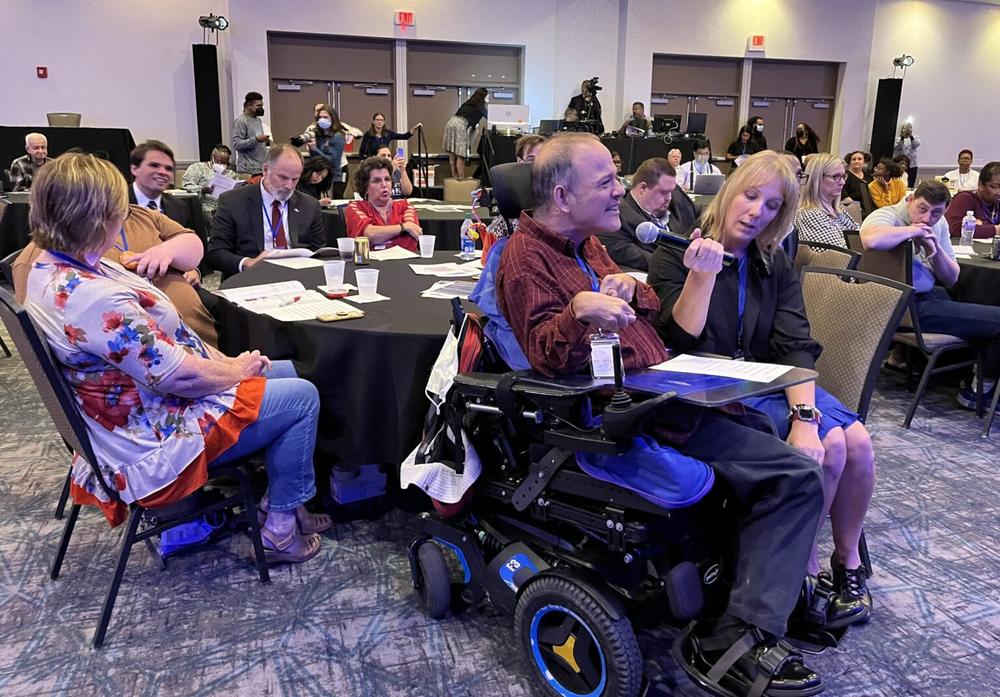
{"points": [[850, 588], [820, 609]]}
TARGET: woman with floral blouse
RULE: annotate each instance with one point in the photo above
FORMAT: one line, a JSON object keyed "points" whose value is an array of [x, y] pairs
{"points": [[160, 405]]}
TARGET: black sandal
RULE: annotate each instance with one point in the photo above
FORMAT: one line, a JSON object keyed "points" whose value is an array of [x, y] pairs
{"points": [[755, 665]]}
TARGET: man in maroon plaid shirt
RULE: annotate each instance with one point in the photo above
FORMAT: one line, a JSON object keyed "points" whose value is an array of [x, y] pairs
{"points": [[556, 285]]}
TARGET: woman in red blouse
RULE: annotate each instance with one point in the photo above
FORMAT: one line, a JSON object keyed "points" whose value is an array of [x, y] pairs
{"points": [[384, 221]]}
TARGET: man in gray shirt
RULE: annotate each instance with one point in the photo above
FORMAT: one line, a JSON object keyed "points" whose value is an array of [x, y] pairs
{"points": [[249, 139], [918, 220]]}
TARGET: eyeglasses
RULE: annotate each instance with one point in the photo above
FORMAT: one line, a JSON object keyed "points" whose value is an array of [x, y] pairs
{"points": [[836, 177]]}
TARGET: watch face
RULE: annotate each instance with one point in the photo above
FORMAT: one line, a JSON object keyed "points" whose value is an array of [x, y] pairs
{"points": [[807, 413]]}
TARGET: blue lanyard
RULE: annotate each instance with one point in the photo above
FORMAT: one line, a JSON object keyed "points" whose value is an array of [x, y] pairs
{"points": [[75, 262], [123, 246], [741, 304], [595, 285], [270, 223]]}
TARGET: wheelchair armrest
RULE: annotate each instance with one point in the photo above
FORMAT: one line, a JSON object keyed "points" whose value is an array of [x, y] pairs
{"points": [[619, 424]]}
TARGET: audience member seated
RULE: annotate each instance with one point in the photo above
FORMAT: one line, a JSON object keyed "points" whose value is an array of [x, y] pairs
{"points": [[856, 185], [380, 136], [674, 158], [804, 142], [637, 119], [250, 142], [919, 219], [159, 404], [198, 177], [964, 178], [525, 149], [701, 164], [984, 203], [402, 187], [315, 171], [820, 218], [653, 186], [699, 300], [24, 168], [743, 147], [886, 188], [255, 219], [384, 221], [152, 166], [157, 248], [756, 127], [557, 287]]}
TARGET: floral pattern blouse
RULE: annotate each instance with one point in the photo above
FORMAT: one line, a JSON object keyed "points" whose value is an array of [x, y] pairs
{"points": [[117, 339]]}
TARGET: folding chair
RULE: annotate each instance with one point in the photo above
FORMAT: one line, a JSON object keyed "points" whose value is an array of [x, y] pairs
{"points": [[62, 407]]}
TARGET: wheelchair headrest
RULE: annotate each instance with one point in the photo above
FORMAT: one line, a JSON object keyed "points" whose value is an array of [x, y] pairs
{"points": [[512, 188]]}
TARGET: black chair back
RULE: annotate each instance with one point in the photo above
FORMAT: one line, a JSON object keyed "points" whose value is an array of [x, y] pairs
{"points": [[50, 383], [7, 267], [512, 188], [853, 239]]}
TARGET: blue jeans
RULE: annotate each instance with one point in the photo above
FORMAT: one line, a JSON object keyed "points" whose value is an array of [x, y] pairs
{"points": [[979, 324], [286, 430]]}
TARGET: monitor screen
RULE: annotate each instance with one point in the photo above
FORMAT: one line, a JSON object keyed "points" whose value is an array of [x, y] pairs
{"points": [[696, 122], [665, 123]]}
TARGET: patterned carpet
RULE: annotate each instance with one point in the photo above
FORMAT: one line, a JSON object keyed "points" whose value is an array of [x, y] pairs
{"points": [[347, 623]]}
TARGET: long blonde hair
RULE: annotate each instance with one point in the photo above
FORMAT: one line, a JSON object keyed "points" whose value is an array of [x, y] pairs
{"points": [[758, 170], [817, 167]]}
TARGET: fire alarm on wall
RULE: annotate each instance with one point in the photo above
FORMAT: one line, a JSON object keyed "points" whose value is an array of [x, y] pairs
{"points": [[41, 71]]}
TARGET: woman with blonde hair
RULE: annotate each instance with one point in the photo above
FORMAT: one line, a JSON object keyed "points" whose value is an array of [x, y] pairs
{"points": [[753, 310], [820, 217], [160, 405]]}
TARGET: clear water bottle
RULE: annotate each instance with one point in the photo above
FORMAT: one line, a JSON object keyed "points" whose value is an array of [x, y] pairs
{"points": [[468, 252], [968, 228]]}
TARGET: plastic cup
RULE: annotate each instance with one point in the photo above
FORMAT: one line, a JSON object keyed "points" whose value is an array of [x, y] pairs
{"points": [[345, 245], [426, 245], [367, 280], [334, 273]]}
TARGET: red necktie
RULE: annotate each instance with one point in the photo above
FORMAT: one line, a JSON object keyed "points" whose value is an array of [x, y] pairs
{"points": [[277, 229]]}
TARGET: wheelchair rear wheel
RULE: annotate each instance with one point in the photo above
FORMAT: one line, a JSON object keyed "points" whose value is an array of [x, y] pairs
{"points": [[575, 647], [435, 581]]}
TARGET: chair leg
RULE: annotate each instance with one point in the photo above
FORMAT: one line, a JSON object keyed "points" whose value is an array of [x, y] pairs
{"points": [[74, 511], [993, 411], [3, 345], [866, 560], [924, 379], [64, 496], [250, 507], [116, 580]]}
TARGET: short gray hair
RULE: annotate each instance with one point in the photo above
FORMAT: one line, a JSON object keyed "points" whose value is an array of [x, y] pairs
{"points": [[27, 138], [553, 165]]}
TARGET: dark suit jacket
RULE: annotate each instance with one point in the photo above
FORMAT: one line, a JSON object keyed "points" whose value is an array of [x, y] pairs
{"points": [[238, 227], [624, 247], [185, 211]]}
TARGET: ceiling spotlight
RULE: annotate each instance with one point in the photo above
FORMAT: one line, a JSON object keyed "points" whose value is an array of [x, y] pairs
{"points": [[214, 23], [904, 61]]}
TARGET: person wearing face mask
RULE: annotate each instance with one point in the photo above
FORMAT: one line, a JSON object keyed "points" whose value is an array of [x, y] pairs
{"points": [[701, 164], [198, 177], [326, 137], [804, 142], [253, 220], [907, 145], [756, 127], [249, 139]]}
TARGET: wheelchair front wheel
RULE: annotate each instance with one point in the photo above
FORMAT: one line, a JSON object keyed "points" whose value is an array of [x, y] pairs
{"points": [[435, 581], [575, 647]]}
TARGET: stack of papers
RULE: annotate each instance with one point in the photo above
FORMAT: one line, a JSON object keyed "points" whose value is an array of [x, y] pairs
{"points": [[722, 367], [963, 252], [449, 269], [443, 207], [392, 253], [287, 301], [446, 290], [296, 262]]}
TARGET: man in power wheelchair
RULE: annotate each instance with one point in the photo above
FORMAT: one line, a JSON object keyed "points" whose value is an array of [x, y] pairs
{"points": [[574, 557]]}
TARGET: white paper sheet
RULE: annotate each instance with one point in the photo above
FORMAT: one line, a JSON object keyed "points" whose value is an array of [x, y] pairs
{"points": [[640, 276], [445, 290], [448, 269], [221, 184], [393, 253], [295, 252], [296, 262], [370, 299], [306, 309], [744, 370], [249, 294]]}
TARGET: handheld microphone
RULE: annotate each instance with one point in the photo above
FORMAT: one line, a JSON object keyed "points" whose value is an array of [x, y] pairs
{"points": [[648, 231]]}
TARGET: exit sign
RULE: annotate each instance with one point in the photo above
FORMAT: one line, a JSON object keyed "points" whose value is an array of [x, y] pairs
{"points": [[405, 18], [755, 42]]}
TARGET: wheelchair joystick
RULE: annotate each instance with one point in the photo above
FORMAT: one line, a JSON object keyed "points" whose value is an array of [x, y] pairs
{"points": [[621, 400]]}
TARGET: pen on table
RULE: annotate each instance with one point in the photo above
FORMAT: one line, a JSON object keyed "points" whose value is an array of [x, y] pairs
{"points": [[289, 302]]}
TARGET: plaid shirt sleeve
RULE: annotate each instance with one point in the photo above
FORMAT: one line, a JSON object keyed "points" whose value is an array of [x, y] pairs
{"points": [[20, 176]]}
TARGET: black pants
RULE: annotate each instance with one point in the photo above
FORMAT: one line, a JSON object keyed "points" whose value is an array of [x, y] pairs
{"points": [[911, 177], [782, 492]]}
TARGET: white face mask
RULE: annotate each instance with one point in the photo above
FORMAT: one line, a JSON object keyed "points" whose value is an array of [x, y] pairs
{"points": [[218, 168], [760, 127], [324, 123]]}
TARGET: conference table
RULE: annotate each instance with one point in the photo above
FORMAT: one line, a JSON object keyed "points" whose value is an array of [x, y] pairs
{"points": [[979, 277], [446, 225], [370, 372], [113, 144]]}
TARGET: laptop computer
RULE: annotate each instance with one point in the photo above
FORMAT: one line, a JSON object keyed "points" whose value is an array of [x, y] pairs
{"points": [[547, 127], [707, 183]]}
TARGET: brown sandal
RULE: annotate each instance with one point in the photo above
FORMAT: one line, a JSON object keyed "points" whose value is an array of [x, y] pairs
{"points": [[294, 549], [306, 522]]}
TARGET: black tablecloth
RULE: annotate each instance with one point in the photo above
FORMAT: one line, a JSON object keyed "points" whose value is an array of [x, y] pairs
{"points": [[634, 151], [113, 143], [445, 226], [370, 372], [979, 279]]}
